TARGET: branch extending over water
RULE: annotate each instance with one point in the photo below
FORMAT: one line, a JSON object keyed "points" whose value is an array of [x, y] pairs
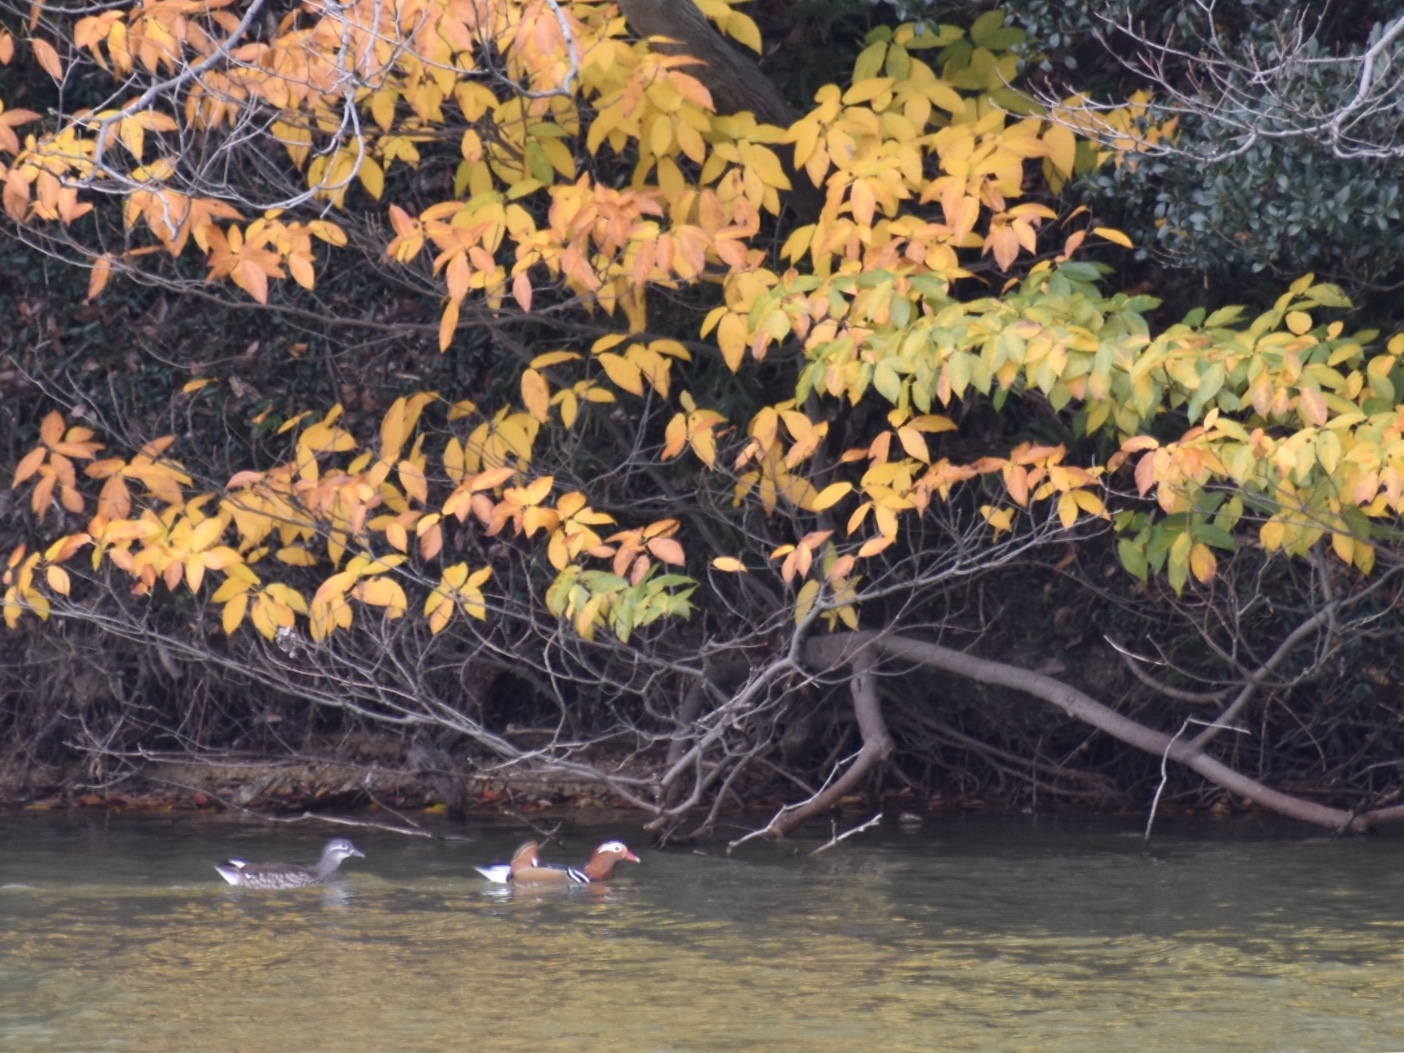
{"points": [[1078, 704]]}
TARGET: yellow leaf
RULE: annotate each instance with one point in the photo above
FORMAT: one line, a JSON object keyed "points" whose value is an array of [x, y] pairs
{"points": [[730, 565], [413, 480], [372, 177], [867, 90], [58, 580], [1298, 322], [675, 437], [234, 612], [1272, 535], [623, 372], [607, 341], [731, 339], [1062, 148], [914, 444], [553, 358], [534, 492], [873, 546], [382, 592], [999, 518], [1113, 235], [741, 28], [804, 602], [296, 556], [536, 394], [1203, 565], [397, 536], [830, 496], [262, 616]]}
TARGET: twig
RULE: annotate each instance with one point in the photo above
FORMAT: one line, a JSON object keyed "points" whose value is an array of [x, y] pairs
{"points": [[845, 836], [413, 829], [1165, 762], [544, 834]]}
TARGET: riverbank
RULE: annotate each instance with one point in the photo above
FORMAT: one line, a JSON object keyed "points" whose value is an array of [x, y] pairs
{"points": [[369, 781], [295, 784]]}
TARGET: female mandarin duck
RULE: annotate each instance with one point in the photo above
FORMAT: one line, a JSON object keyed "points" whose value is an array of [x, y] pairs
{"points": [[526, 867], [286, 875], [526, 856], [599, 868]]}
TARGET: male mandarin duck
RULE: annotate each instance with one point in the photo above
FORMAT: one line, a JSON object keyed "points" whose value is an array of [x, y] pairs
{"points": [[287, 875], [527, 855], [599, 868]]}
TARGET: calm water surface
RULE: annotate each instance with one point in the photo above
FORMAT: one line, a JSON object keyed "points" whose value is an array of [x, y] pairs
{"points": [[116, 934]]}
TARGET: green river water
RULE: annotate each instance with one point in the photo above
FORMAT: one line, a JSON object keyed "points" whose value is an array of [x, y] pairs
{"points": [[1005, 935]]}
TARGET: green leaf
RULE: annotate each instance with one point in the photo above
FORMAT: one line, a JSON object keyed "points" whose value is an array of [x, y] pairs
{"points": [[1178, 570], [1003, 39], [901, 311], [1133, 558], [887, 381], [1329, 295], [598, 581], [1215, 536], [1079, 271], [1223, 316], [986, 25], [804, 602]]}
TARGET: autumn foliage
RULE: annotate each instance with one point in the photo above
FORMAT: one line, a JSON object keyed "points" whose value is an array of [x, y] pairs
{"points": [[593, 179]]}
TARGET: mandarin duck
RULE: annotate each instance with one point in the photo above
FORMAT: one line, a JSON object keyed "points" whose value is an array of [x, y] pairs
{"points": [[599, 868], [287, 875], [527, 855]]}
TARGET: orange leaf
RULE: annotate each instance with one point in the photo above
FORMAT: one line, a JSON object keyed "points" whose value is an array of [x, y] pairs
{"points": [[448, 324], [1145, 474], [51, 431], [253, 279], [1312, 406], [97, 281], [58, 579], [667, 550], [29, 464], [48, 58], [521, 291]]}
